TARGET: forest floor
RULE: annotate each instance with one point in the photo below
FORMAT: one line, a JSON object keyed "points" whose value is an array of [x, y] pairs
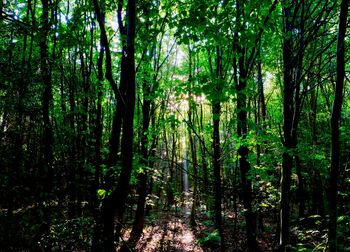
{"points": [[166, 230], [170, 231]]}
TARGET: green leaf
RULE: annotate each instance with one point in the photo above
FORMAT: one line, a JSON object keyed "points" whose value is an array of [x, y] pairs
{"points": [[101, 193]]}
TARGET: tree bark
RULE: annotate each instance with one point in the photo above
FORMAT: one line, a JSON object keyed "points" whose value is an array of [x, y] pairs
{"points": [[46, 105], [216, 111], [243, 152], [98, 144], [242, 128], [289, 141], [120, 194], [335, 123], [123, 122], [300, 191], [139, 220], [216, 108]]}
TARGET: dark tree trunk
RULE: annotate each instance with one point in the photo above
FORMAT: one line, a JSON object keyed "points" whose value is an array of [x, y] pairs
{"points": [[194, 166], [216, 108], [289, 141], [261, 109], [335, 123], [317, 205], [149, 87], [216, 111], [293, 54], [72, 148], [261, 95], [243, 151], [98, 143], [300, 191], [119, 93], [172, 168], [124, 114], [139, 220], [47, 96], [317, 194], [203, 156], [193, 222], [120, 194], [46, 104], [192, 110], [242, 128]]}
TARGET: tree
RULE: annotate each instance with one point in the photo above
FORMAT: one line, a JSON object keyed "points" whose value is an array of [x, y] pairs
{"points": [[299, 30], [47, 163], [189, 121], [125, 95], [335, 123]]}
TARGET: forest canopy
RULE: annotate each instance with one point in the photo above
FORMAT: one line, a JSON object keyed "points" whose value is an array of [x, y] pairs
{"points": [[174, 125]]}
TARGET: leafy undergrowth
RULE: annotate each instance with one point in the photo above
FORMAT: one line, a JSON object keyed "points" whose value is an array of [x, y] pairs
{"points": [[171, 231], [24, 230], [310, 234], [71, 235]]}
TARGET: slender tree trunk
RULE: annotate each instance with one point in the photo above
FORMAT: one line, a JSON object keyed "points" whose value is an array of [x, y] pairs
{"points": [[203, 156], [243, 151], [99, 121], [46, 104], [335, 123], [217, 166], [261, 95], [261, 111], [119, 93], [125, 95], [317, 195], [172, 168], [139, 220], [122, 189], [195, 168], [288, 130], [47, 95], [192, 110], [216, 111], [98, 159], [300, 192], [72, 148]]}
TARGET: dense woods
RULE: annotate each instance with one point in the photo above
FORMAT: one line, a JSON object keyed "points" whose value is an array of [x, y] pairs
{"points": [[174, 125]]}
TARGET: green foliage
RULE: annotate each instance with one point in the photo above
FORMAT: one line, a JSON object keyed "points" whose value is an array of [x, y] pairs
{"points": [[187, 59], [211, 239], [343, 222], [311, 234], [101, 193], [75, 234]]}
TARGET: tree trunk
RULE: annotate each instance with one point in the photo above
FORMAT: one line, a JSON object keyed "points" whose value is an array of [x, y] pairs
{"points": [[203, 156], [243, 152], [192, 110], [125, 95], [216, 111], [72, 148], [216, 108], [122, 189], [46, 104], [139, 220], [335, 123], [300, 191], [317, 195], [289, 141], [98, 159], [194, 166]]}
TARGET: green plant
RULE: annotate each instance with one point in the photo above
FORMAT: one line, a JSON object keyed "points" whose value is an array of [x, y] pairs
{"points": [[210, 239]]}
